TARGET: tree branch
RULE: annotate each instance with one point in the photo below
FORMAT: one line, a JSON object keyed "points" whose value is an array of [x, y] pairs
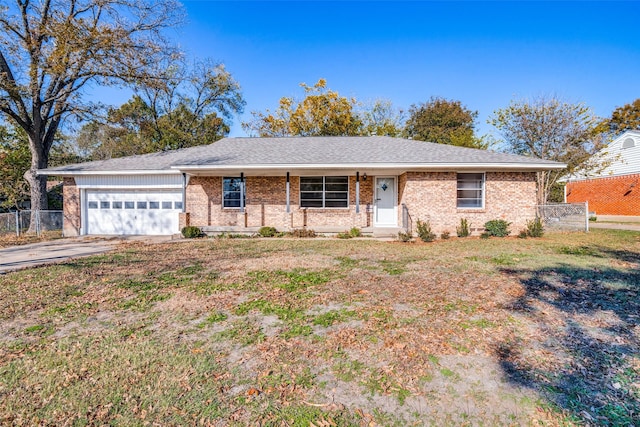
{"points": [[13, 92]]}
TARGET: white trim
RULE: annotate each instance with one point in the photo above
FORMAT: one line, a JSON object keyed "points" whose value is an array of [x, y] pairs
{"points": [[395, 201], [49, 172], [378, 166], [83, 212], [484, 190], [337, 167], [591, 178]]}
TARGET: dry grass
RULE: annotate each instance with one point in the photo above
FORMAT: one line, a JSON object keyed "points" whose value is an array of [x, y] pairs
{"points": [[10, 239], [328, 332]]}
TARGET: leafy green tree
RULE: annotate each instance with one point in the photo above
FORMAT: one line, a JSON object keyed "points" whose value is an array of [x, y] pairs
{"points": [[551, 129], [194, 105], [624, 118], [15, 160], [443, 121], [381, 118], [322, 112], [50, 51], [181, 112]]}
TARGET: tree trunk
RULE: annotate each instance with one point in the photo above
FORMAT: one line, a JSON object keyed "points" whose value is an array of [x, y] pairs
{"points": [[38, 184]]}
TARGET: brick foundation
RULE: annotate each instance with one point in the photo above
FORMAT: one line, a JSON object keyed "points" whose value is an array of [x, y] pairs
{"points": [[607, 196]]}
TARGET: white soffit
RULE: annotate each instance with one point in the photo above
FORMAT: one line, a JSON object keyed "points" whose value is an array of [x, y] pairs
{"points": [[158, 182]]}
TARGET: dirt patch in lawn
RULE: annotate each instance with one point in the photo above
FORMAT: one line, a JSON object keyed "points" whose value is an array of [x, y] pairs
{"points": [[329, 332]]}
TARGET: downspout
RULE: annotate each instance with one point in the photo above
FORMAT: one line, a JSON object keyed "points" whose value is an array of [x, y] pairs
{"points": [[357, 192], [288, 204]]}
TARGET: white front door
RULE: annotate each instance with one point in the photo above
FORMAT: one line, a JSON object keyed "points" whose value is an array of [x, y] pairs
{"points": [[385, 202]]}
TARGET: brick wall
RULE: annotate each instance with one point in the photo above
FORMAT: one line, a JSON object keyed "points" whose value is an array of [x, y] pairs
{"points": [[204, 203], [428, 196], [71, 224], [266, 205], [608, 196], [432, 196]]}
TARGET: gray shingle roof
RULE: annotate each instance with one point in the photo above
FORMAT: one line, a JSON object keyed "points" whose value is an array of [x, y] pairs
{"points": [[273, 152]]}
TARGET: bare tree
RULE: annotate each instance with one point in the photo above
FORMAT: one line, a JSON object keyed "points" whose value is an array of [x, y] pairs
{"points": [[551, 129], [52, 50]]}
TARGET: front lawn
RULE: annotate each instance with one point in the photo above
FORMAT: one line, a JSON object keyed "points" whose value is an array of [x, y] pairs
{"points": [[328, 332]]}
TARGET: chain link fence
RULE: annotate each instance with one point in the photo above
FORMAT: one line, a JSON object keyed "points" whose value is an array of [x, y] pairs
{"points": [[18, 222], [565, 216]]}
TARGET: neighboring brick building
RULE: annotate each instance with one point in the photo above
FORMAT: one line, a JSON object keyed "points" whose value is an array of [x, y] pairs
{"points": [[615, 190], [328, 184]]}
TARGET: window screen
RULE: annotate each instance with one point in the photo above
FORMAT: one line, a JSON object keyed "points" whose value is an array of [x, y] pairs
{"points": [[324, 191], [470, 190], [232, 192]]}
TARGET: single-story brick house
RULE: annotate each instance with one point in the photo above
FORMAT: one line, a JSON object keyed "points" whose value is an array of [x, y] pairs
{"points": [[616, 189], [328, 184]]}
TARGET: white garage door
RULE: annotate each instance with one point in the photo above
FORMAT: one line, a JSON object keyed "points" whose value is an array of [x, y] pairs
{"points": [[130, 212]]}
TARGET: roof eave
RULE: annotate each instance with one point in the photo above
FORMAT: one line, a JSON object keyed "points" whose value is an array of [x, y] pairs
{"points": [[53, 172], [522, 167], [378, 166]]}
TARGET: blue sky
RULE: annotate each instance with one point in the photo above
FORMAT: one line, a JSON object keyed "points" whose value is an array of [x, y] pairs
{"points": [[481, 53]]}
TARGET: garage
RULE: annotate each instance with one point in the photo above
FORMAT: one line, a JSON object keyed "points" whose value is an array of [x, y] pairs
{"points": [[118, 212]]}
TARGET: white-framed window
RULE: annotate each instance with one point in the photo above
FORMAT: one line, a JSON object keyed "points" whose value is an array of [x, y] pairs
{"points": [[324, 191], [470, 190], [232, 192]]}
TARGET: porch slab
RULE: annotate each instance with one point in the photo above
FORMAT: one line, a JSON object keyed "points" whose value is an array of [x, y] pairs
{"points": [[214, 230], [383, 231], [329, 230]]}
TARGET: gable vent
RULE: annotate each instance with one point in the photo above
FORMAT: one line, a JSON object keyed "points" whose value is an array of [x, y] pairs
{"points": [[628, 143]]}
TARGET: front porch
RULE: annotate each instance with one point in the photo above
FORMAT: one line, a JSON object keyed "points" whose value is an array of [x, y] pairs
{"points": [[220, 204]]}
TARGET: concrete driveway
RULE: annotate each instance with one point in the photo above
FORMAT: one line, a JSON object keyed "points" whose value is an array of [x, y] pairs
{"points": [[54, 251], [617, 222]]}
